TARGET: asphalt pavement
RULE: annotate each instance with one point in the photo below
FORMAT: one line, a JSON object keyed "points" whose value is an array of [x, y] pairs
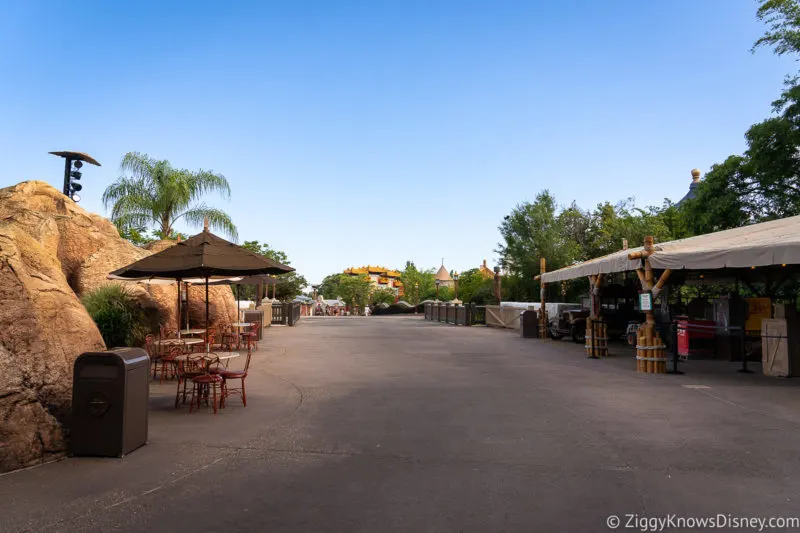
{"points": [[386, 424]]}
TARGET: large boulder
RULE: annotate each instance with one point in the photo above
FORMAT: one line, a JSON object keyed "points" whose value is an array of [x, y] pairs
{"points": [[51, 252], [43, 328]]}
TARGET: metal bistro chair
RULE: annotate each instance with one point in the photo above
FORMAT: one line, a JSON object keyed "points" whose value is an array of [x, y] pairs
{"points": [[193, 366], [229, 338], [252, 335], [206, 385], [232, 375], [208, 339], [169, 364]]}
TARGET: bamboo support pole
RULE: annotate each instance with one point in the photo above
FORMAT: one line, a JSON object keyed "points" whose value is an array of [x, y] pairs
{"points": [[641, 254], [542, 309], [605, 339], [662, 280], [640, 352]]}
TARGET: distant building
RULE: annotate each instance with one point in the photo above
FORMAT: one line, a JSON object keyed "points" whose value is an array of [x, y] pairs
{"points": [[692, 187], [485, 271], [381, 277], [444, 277]]}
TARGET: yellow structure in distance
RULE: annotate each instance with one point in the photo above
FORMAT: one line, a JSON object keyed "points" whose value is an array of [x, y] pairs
{"points": [[380, 277], [485, 271]]}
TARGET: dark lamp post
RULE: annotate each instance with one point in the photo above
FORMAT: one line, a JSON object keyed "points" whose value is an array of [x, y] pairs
{"points": [[455, 285], [73, 162], [438, 282]]}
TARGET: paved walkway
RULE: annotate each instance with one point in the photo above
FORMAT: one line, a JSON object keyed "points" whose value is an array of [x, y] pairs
{"points": [[396, 424]]}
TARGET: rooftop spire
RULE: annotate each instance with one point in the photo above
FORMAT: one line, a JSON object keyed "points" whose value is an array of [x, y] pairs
{"points": [[205, 224]]}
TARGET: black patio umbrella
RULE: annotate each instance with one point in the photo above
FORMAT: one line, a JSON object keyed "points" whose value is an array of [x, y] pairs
{"points": [[202, 256]]}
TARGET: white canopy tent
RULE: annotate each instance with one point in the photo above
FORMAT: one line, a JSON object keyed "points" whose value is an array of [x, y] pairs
{"points": [[776, 242]]}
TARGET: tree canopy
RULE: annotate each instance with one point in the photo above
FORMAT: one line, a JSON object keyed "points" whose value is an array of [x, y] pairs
{"points": [[154, 195], [290, 285], [761, 184], [418, 285]]}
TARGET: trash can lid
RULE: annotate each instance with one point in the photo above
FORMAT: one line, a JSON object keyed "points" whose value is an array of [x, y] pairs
{"points": [[114, 357]]}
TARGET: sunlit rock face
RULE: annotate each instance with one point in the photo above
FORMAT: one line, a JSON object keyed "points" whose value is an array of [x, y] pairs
{"points": [[51, 252]]}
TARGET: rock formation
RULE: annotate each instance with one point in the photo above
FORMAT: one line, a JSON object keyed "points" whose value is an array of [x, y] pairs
{"points": [[51, 252]]}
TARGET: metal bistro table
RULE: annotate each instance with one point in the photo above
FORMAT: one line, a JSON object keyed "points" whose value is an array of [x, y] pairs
{"points": [[210, 356], [175, 342], [193, 331], [167, 343], [239, 326]]}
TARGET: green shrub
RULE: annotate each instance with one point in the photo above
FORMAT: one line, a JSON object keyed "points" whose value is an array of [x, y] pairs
{"points": [[118, 316]]}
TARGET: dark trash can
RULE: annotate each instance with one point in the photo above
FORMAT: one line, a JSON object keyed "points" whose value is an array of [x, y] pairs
{"points": [[528, 324], [110, 391], [255, 316]]}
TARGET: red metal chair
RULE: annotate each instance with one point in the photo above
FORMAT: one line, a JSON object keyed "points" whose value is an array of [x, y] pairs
{"points": [[193, 366], [168, 362], [229, 338], [232, 375], [252, 335], [206, 384]]}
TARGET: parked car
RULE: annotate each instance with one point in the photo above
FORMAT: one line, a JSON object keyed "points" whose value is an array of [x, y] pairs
{"points": [[568, 320], [617, 308]]}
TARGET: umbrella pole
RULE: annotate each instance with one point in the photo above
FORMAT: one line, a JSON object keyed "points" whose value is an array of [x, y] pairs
{"points": [[208, 348], [179, 308], [238, 312], [186, 286]]}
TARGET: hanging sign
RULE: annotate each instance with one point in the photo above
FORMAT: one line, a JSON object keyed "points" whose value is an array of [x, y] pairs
{"points": [[645, 301]]}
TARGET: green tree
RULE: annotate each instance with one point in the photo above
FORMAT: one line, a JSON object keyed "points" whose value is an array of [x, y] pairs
{"points": [[418, 284], [718, 203], [471, 284], [290, 285], [154, 194], [265, 250], [329, 288], [764, 182], [355, 290], [382, 295], [137, 236], [611, 224], [532, 231], [783, 19]]}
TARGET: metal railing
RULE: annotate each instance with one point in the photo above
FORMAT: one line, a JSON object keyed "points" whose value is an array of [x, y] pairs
{"points": [[293, 313], [277, 314], [286, 314], [459, 315]]}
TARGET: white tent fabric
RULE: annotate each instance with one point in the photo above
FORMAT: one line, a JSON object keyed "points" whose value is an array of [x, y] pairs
{"points": [[616, 262], [776, 242], [169, 281]]}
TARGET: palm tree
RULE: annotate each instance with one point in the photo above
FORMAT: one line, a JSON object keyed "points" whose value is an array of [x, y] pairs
{"points": [[156, 194]]}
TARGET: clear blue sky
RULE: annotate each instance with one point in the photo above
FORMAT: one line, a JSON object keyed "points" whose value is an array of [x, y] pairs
{"points": [[357, 132]]}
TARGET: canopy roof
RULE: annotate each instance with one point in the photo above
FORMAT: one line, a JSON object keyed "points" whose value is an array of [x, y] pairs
{"points": [[776, 242], [247, 280], [204, 255], [77, 156]]}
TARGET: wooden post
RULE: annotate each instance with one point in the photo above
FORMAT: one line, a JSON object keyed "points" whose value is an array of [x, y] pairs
{"points": [[542, 309], [650, 321], [497, 288]]}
